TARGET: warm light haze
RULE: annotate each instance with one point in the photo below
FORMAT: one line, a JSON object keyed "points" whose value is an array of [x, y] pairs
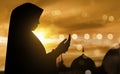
{"points": [[93, 24]]}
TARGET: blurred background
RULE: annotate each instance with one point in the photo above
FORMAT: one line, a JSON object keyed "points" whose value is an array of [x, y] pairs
{"points": [[93, 24]]}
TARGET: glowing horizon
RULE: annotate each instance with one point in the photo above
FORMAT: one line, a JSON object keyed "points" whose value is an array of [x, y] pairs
{"points": [[92, 23]]}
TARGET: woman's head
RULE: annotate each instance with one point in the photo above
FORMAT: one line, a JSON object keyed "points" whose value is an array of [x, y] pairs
{"points": [[25, 17]]}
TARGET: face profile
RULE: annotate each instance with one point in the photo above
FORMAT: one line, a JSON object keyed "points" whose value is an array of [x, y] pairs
{"points": [[26, 16]]}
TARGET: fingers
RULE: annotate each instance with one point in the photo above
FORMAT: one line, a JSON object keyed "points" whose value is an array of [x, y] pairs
{"points": [[64, 41], [69, 38], [68, 41]]}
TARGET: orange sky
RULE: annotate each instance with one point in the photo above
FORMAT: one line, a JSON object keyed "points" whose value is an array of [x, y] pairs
{"points": [[61, 17]]}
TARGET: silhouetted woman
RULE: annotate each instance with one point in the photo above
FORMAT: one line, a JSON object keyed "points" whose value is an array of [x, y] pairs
{"points": [[25, 53]]}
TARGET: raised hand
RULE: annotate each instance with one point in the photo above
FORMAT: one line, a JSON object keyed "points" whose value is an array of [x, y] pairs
{"points": [[64, 45]]}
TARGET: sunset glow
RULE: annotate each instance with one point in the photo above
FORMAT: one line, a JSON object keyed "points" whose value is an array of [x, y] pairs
{"points": [[41, 34], [93, 24]]}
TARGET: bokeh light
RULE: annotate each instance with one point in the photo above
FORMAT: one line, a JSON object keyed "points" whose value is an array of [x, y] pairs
{"points": [[111, 18], [79, 47], [88, 72], [104, 17], [86, 36], [99, 36], [110, 36], [74, 36], [61, 37]]}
